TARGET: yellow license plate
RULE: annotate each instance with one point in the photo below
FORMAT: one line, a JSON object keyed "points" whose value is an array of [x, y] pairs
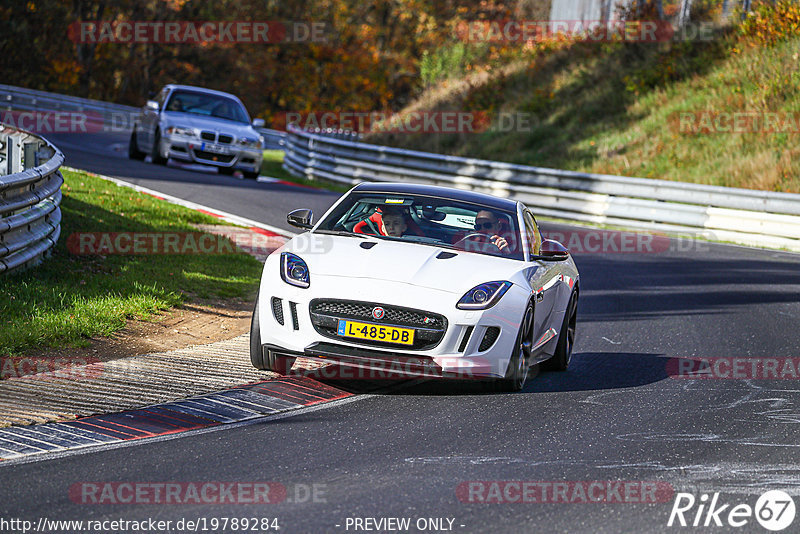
{"points": [[376, 332]]}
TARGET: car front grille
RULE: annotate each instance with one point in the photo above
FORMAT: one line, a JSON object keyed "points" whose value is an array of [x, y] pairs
{"points": [[429, 328], [226, 139], [208, 136]]}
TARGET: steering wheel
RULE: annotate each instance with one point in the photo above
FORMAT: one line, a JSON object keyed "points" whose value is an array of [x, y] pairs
{"points": [[481, 242]]}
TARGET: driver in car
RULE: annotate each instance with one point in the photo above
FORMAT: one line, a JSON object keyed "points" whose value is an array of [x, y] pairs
{"points": [[487, 223], [176, 104]]}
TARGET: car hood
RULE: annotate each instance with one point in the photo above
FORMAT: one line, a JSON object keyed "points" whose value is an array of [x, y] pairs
{"points": [[201, 122], [408, 263]]}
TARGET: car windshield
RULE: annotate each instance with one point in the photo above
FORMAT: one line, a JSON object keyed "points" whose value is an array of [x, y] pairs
{"points": [[208, 105], [428, 220]]}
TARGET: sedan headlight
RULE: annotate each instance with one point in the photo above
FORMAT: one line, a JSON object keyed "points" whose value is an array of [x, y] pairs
{"points": [[294, 270], [177, 130], [483, 296], [249, 142]]}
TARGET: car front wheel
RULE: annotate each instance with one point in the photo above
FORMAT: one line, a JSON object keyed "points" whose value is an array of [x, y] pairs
{"points": [[517, 371]]}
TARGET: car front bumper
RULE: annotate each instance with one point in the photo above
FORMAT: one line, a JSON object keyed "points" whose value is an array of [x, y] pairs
{"points": [[458, 353], [197, 151]]}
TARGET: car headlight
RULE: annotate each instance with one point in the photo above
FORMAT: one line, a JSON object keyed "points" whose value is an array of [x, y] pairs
{"points": [[294, 270], [177, 130], [483, 296], [250, 142]]}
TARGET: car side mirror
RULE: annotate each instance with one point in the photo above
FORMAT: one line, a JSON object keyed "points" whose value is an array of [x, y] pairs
{"points": [[302, 218], [553, 251], [258, 123], [152, 105]]}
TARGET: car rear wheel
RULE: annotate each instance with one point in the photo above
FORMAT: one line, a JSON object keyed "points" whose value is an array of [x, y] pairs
{"points": [[566, 340], [269, 361], [518, 366], [133, 148], [155, 153]]}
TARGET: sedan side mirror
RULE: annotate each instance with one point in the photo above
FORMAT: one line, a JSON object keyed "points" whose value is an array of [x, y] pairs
{"points": [[258, 123], [553, 251], [302, 218], [152, 105]]}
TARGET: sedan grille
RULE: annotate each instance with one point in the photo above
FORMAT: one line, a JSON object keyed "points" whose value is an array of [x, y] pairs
{"points": [[225, 138], [429, 328], [208, 136]]}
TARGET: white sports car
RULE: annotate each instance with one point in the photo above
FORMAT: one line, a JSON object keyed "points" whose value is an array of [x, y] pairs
{"points": [[422, 281]]}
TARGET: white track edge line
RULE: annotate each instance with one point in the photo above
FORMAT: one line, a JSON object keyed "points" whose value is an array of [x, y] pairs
{"points": [[224, 215]]}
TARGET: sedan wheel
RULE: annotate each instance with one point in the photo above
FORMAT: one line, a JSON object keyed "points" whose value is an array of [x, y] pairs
{"points": [[155, 153], [133, 148]]}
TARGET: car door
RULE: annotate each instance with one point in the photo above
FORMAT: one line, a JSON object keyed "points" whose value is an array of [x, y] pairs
{"points": [[544, 278]]}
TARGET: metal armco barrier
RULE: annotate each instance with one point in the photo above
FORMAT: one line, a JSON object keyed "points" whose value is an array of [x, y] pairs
{"points": [[30, 195], [105, 115], [744, 216], [756, 218]]}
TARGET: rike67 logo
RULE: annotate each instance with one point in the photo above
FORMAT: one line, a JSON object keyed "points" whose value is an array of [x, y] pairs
{"points": [[774, 510]]}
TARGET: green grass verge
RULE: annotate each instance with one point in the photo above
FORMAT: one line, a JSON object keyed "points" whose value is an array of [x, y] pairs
{"points": [[272, 166], [69, 298], [614, 108]]}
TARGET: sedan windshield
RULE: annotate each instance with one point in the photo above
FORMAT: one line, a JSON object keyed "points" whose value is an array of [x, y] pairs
{"points": [[208, 105], [428, 220]]}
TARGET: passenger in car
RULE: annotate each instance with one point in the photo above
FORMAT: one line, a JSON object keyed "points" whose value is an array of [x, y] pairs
{"points": [[393, 222], [373, 225]]}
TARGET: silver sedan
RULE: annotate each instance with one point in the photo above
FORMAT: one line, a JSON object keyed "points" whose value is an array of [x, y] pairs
{"points": [[198, 125]]}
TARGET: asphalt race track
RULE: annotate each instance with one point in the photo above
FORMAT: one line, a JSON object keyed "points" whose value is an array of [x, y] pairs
{"points": [[412, 451], [263, 202]]}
